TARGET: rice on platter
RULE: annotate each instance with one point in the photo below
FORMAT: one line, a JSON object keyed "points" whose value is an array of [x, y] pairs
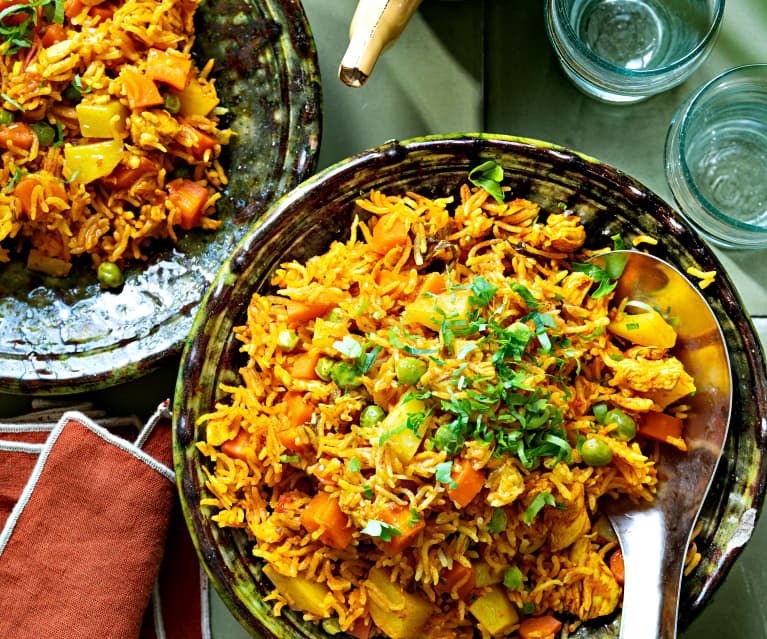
{"points": [[431, 411], [108, 131]]}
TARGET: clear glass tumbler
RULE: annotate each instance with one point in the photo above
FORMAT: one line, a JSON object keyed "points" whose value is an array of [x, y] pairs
{"points": [[716, 158], [623, 51]]}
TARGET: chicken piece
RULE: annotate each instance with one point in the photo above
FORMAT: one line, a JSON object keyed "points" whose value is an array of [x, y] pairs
{"points": [[570, 523], [594, 594], [505, 484], [663, 398], [575, 286], [645, 375]]}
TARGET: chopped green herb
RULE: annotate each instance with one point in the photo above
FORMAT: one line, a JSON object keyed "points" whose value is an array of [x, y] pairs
{"points": [[616, 356], [414, 517], [354, 465], [382, 530], [15, 177], [443, 474], [526, 295], [59, 134], [368, 492], [73, 177], [483, 291], [632, 326], [600, 412], [513, 578], [6, 97], [541, 500], [78, 82], [528, 608], [290, 459], [488, 176], [599, 275], [618, 243], [562, 206]]}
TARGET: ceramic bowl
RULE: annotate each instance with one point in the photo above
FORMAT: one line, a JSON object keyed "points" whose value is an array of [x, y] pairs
{"points": [[320, 210], [67, 335]]}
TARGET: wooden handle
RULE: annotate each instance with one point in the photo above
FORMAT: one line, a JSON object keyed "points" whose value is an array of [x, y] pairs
{"points": [[376, 25]]}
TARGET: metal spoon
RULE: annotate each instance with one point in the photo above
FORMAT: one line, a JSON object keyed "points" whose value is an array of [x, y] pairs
{"points": [[655, 537]]}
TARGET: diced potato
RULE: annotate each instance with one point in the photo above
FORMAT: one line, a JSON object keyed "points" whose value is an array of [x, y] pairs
{"points": [[89, 162], [406, 442], [484, 575], [495, 612], [426, 310], [95, 119], [301, 593], [196, 99], [399, 614], [645, 329]]}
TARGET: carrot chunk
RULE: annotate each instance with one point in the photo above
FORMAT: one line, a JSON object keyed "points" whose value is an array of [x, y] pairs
{"points": [[323, 511], [299, 410], [663, 428], [300, 312], [140, 90], [169, 67], [194, 139], [361, 628], [434, 284], [190, 198], [469, 482], [73, 8], [617, 567], [54, 33], [544, 627], [401, 519], [389, 231], [237, 447], [18, 134], [25, 188], [459, 579], [124, 177], [303, 365]]}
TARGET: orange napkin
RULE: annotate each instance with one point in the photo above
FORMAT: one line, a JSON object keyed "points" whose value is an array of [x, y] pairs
{"points": [[84, 519]]}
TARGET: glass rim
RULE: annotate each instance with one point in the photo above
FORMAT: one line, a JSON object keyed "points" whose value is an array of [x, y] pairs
{"points": [[614, 68], [684, 120]]}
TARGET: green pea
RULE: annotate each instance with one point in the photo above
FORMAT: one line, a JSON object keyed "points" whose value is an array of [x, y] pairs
{"points": [[596, 453], [600, 412], [6, 117], [45, 133], [626, 428], [323, 367], [110, 275], [371, 416], [498, 521], [172, 103], [345, 376], [287, 339], [331, 626], [410, 370], [72, 94]]}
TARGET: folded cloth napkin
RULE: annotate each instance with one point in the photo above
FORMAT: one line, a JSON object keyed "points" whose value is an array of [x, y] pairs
{"points": [[92, 542]]}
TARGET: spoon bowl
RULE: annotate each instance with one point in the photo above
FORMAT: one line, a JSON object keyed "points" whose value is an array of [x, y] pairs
{"points": [[655, 537]]}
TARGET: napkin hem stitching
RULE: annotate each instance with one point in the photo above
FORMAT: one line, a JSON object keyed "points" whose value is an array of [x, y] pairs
{"points": [[35, 427], [7, 530], [22, 447]]}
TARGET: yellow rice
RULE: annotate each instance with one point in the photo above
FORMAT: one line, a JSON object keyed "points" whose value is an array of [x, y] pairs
{"points": [[563, 552]]}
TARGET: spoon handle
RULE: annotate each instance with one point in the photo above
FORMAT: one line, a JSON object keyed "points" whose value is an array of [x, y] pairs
{"points": [[653, 558]]}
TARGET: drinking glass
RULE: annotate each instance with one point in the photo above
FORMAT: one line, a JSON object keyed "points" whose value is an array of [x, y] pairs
{"points": [[716, 158], [623, 51]]}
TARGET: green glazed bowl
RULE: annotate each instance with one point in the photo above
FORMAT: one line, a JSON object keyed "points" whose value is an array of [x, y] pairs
{"points": [[67, 335], [320, 210]]}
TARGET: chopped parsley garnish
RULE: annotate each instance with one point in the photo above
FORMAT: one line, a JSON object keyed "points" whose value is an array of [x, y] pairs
{"points": [[78, 82], [443, 474], [414, 517], [618, 243], [59, 135], [9, 99], [368, 492], [483, 291], [600, 277], [290, 459], [488, 176], [354, 465], [541, 500], [15, 177], [526, 295], [19, 36], [382, 530]]}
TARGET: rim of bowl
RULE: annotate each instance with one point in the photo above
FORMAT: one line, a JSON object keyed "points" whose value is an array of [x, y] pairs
{"points": [[457, 141], [684, 122], [610, 66]]}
